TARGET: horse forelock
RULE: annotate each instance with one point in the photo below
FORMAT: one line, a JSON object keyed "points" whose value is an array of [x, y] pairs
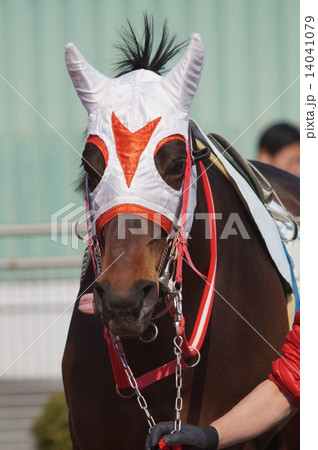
{"points": [[137, 51]]}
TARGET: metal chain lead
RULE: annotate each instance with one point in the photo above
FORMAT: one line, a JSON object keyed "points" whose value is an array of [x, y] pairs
{"points": [[178, 372], [132, 380], [178, 340], [179, 401]]}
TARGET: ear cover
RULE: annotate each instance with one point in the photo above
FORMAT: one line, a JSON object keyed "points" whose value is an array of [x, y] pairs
{"points": [[182, 81], [90, 85]]}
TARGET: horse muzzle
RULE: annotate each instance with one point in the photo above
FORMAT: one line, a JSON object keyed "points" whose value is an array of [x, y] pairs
{"points": [[128, 315]]}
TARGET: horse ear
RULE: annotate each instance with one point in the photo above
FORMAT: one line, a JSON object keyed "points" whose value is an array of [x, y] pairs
{"points": [[89, 84], [182, 81]]}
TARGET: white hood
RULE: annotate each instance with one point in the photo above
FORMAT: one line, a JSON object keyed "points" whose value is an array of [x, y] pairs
{"points": [[132, 114]]}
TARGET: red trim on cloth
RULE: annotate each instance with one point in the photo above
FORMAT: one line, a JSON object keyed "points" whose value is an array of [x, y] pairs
{"points": [[100, 144], [286, 370], [129, 146], [130, 208], [170, 138]]}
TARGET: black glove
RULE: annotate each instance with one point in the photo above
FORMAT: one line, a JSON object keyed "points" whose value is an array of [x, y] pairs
{"points": [[206, 438]]}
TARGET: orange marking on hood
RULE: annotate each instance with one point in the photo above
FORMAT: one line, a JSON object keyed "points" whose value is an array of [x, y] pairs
{"points": [[129, 146]]}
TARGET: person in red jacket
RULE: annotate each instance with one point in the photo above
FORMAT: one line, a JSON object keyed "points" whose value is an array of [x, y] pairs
{"points": [[270, 404]]}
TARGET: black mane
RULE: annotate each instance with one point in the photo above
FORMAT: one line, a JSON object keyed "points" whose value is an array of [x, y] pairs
{"points": [[80, 182], [137, 51]]}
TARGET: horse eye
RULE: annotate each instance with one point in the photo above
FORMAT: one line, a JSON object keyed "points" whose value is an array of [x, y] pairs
{"points": [[177, 168]]}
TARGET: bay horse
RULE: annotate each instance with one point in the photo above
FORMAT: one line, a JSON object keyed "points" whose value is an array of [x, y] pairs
{"points": [[136, 160]]}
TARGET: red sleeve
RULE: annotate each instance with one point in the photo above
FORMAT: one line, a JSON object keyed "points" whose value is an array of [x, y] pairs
{"points": [[286, 370]]}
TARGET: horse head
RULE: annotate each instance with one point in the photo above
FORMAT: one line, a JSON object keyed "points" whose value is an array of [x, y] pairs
{"points": [[136, 154]]}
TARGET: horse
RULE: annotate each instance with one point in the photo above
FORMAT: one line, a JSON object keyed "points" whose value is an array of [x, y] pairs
{"points": [[137, 147]]}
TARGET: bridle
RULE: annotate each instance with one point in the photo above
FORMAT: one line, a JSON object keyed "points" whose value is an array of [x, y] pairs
{"points": [[169, 272]]}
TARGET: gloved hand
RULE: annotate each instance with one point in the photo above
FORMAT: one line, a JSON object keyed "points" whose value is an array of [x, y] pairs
{"points": [[205, 438]]}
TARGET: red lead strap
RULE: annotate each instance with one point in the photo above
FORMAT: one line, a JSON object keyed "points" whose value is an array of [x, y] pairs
{"points": [[203, 317], [198, 334]]}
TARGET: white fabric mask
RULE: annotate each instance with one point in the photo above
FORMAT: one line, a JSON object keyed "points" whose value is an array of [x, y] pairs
{"points": [[132, 115]]}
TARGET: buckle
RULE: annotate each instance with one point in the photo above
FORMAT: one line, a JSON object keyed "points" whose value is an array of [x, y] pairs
{"points": [[201, 155]]}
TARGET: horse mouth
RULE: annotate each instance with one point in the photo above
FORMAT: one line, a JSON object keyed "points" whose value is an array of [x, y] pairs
{"points": [[126, 316], [128, 325], [127, 329], [124, 324]]}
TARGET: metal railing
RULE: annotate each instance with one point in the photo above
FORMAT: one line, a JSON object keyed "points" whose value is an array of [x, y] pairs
{"points": [[32, 228], [37, 296], [37, 262]]}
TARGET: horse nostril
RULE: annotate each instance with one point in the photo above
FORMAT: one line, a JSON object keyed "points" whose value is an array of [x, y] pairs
{"points": [[147, 290], [148, 293]]}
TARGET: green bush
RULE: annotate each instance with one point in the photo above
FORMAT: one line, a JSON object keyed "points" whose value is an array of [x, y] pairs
{"points": [[50, 429]]}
